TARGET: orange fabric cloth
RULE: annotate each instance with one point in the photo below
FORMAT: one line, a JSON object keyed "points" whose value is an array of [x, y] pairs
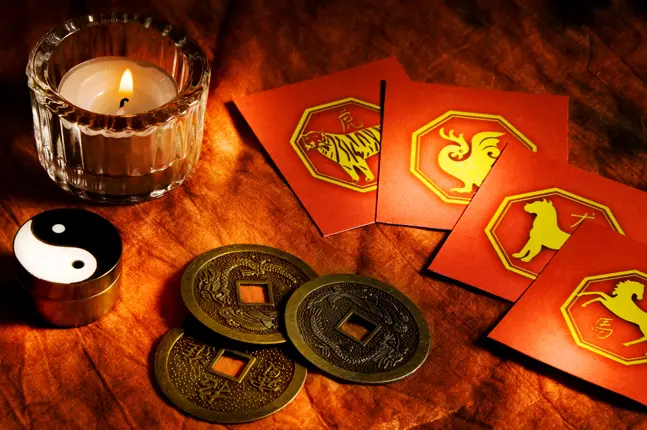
{"points": [[100, 376]]}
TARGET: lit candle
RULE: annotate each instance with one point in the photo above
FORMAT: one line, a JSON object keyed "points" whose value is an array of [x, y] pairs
{"points": [[117, 86], [112, 128]]}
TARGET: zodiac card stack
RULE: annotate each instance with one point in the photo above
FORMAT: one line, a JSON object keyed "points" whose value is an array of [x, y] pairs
{"points": [[490, 166], [582, 315], [561, 239]]}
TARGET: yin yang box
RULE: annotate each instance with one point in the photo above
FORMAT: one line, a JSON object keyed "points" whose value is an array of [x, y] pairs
{"points": [[69, 260]]}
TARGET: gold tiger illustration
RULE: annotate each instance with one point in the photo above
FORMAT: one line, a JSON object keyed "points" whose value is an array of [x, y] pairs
{"points": [[349, 150]]}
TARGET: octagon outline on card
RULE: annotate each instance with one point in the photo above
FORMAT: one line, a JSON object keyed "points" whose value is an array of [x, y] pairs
{"points": [[503, 208], [574, 329], [303, 122], [414, 166]]}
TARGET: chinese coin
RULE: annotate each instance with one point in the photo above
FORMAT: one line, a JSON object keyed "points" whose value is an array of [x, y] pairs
{"points": [[199, 378], [238, 291], [357, 329]]}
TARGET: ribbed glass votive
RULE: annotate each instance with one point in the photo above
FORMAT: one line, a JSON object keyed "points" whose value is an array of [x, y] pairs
{"points": [[118, 158]]}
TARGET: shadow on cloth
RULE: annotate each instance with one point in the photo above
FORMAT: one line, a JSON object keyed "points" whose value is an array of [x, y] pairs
{"points": [[171, 305], [16, 305]]}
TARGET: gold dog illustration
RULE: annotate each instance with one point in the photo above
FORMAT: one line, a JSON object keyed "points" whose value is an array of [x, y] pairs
{"points": [[623, 306], [545, 231]]}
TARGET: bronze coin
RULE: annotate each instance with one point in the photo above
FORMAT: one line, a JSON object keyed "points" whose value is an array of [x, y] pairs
{"points": [[188, 371], [239, 291], [357, 329]]}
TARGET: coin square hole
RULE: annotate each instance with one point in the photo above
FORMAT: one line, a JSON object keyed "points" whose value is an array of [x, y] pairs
{"points": [[357, 327], [254, 294], [230, 364]]}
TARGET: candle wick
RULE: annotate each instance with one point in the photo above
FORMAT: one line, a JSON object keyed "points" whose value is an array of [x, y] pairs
{"points": [[123, 101]]}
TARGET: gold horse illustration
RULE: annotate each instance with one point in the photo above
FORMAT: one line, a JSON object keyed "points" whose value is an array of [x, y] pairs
{"points": [[545, 231], [623, 306]]}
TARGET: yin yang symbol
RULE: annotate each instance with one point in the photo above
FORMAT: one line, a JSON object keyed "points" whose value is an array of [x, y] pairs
{"points": [[67, 246]]}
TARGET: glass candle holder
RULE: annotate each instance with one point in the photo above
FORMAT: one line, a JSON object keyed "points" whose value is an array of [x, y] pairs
{"points": [[118, 158]]}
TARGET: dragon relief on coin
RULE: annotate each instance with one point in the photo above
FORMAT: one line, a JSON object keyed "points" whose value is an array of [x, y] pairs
{"points": [[217, 286], [267, 373], [391, 340]]}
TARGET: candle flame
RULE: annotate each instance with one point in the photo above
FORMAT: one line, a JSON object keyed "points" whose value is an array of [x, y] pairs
{"points": [[126, 84]]}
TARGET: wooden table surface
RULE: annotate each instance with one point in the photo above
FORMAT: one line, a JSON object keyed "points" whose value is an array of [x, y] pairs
{"points": [[100, 376]]}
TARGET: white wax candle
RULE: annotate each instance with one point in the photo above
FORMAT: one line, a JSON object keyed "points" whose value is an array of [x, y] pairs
{"points": [[101, 85]]}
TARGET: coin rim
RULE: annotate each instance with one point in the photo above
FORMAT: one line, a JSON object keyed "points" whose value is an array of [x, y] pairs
{"points": [[192, 305], [177, 398], [295, 336]]}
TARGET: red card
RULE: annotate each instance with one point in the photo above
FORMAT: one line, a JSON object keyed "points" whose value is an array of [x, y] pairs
{"points": [[586, 313], [325, 136], [440, 141], [526, 209]]}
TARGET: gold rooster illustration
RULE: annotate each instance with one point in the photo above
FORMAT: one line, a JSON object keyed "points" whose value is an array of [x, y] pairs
{"points": [[469, 163]]}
